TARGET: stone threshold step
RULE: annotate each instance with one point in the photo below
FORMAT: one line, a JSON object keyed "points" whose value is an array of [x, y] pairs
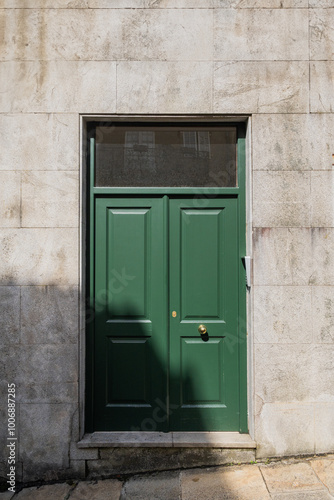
{"points": [[167, 440]]}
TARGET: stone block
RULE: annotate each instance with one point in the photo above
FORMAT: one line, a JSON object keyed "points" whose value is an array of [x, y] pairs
{"points": [[9, 372], [325, 4], [167, 35], [284, 372], [83, 454], [294, 372], [261, 87], [283, 314], [324, 428], [322, 241], [322, 199], [107, 34], [283, 256], [44, 4], [300, 495], [293, 256], [51, 492], [10, 201], [164, 485], [132, 460], [39, 364], [146, 439], [76, 420], [50, 199], [108, 489], [323, 314], [39, 141], [281, 199], [58, 86], [49, 34], [164, 87], [209, 439], [127, 439], [202, 457], [321, 34], [284, 429], [42, 256], [77, 469], [137, 460], [262, 4], [50, 363], [322, 87], [177, 4], [322, 373], [64, 392], [10, 314], [49, 315], [324, 469], [293, 142], [44, 438], [120, 4], [281, 478], [261, 35], [243, 483]]}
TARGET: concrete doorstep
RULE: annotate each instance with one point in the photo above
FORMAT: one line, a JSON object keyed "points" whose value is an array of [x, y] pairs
{"points": [[310, 478]]}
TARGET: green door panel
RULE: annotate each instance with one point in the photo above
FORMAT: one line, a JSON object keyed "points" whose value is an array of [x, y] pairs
{"points": [[200, 248], [134, 386], [130, 304], [204, 370], [201, 382]]}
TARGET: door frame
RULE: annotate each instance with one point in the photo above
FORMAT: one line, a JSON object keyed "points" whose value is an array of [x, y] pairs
{"points": [[87, 253]]}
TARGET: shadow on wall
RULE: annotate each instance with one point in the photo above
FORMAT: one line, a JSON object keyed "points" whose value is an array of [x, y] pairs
{"points": [[39, 354]]}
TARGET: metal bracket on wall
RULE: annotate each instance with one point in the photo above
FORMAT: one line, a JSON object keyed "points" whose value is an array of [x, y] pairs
{"points": [[247, 264]]}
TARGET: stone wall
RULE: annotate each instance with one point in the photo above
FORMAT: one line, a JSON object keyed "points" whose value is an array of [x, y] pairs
{"points": [[271, 60]]}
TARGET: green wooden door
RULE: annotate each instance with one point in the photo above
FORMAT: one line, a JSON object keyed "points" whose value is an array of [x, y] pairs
{"points": [[204, 255], [130, 306], [162, 268]]}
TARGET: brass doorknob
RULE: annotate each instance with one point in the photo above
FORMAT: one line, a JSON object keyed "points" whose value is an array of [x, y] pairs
{"points": [[202, 329]]}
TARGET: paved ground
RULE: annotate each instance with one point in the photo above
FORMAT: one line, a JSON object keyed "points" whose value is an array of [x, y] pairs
{"points": [[292, 479]]}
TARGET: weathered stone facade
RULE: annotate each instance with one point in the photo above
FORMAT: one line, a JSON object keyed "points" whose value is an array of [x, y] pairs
{"points": [[268, 60]]}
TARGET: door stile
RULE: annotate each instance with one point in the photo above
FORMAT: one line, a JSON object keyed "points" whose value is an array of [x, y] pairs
{"points": [[166, 202], [90, 311]]}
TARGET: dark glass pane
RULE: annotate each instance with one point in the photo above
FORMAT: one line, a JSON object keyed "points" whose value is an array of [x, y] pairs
{"points": [[160, 155]]}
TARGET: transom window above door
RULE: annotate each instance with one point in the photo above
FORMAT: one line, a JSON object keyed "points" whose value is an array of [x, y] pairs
{"points": [[165, 155]]}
